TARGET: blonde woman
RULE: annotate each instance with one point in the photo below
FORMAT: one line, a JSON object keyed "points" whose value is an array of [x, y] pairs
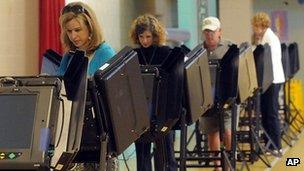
{"points": [[80, 30], [269, 105]]}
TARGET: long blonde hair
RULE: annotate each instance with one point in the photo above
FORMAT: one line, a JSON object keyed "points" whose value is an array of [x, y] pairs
{"points": [[85, 16]]}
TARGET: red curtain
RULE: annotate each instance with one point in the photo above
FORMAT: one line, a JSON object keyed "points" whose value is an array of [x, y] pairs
{"points": [[49, 29]]}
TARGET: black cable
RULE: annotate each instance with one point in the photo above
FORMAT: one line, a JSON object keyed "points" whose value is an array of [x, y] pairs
{"points": [[62, 123], [125, 161]]}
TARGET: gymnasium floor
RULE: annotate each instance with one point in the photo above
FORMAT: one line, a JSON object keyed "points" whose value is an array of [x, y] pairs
{"points": [[278, 164]]}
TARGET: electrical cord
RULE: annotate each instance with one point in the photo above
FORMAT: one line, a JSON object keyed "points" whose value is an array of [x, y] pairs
{"points": [[125, 161], [62, 123]]}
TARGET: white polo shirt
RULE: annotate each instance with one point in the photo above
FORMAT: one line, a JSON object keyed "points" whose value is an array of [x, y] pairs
{"points": [[276, 55]]}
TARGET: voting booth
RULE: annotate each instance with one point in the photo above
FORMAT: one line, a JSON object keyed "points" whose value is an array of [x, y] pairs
{"points": [[28, 120]]}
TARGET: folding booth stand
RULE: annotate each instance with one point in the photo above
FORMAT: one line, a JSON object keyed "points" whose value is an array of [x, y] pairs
{"points": [[198, 96], [258, 60], [288, 66], [247, 88], [217, 81], [119, 95], [163, 86], [226, 92], [121, 91], [75, 82], [99, 129], [290, 60]]}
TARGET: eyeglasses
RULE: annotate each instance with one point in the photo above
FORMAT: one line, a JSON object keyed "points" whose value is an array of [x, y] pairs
{"points": [[76, 9]]}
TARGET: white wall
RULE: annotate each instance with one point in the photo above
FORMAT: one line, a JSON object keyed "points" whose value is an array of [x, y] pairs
{"points": [[19, 37], [235, 18], [115, 17]]}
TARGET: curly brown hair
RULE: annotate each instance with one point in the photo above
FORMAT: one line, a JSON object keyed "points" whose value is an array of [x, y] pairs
{"points": [[85, 16], [144, 23], [261, 19]]}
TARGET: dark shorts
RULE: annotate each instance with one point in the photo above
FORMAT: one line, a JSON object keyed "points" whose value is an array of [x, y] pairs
{"points": [[209, 122]]}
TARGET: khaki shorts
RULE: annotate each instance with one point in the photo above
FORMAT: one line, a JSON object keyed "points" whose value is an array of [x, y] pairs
{"points": [[209, 122]]}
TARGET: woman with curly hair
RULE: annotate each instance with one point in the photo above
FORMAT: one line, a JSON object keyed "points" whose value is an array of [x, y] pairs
{"points": [[149, 35], [269, 100]]}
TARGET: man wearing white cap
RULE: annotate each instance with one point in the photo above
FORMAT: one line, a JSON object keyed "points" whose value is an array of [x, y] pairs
{"points": [[209, 123]]}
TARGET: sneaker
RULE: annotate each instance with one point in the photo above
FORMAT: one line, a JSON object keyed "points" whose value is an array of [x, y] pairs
{"points": [[276, 153]]}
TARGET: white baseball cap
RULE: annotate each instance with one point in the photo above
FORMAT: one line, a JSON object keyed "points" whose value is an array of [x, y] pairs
{"points": [[211, 23]]}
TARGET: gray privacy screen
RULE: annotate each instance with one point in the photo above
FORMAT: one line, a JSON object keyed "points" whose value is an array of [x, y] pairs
{"points": [[17, 113]]}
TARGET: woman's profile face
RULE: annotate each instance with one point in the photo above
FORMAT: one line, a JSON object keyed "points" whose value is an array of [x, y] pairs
{"points": [[78, 34], [258, 30], [145, 39]]}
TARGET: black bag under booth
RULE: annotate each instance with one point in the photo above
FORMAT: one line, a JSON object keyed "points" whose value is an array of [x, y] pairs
{"points": [[164, 90], [263, 63]]}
